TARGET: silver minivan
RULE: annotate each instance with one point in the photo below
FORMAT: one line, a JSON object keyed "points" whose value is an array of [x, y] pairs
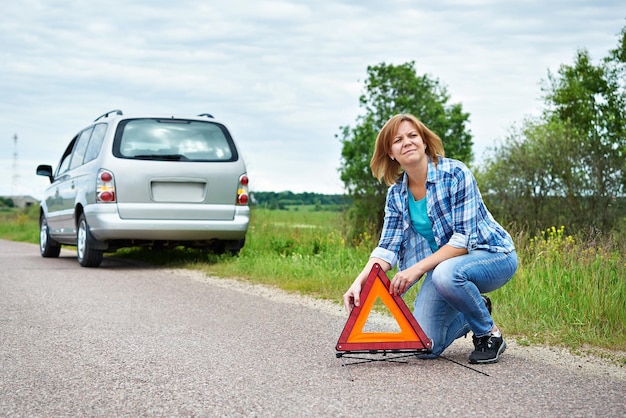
{"points": [[158, 181]]}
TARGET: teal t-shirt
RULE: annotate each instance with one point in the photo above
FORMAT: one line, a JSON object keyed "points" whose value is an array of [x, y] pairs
{"points": [[420, 221]]}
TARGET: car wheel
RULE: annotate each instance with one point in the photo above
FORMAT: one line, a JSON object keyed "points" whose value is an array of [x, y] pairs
{"points": [[236, 246], [231, 247], [48, 247], [87, 255]]}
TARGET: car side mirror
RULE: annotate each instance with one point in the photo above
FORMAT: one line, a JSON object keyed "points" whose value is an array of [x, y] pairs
{"points": [[45, 170]]}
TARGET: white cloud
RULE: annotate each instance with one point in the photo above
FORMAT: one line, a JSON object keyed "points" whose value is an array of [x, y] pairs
{"points": [[283, 75]]}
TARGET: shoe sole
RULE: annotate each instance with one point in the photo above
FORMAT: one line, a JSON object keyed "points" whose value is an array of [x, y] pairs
{"points": [[491, 360]]}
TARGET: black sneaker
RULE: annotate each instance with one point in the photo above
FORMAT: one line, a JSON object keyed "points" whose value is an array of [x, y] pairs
{"points": [[487, 303], [487, 349]]}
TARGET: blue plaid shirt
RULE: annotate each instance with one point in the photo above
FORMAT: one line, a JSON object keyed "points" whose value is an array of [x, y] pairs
{"points": [[456, 211]]}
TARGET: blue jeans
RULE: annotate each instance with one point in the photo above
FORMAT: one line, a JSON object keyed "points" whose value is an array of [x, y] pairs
{"points": [[450, 304]]}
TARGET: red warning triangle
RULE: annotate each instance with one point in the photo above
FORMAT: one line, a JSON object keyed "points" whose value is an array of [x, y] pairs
{"points": [[410, 337]]}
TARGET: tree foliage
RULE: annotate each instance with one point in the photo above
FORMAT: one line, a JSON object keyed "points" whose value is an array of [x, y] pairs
{"points": [[6, 202], [390, 90], [568, 167], [286, 199]]}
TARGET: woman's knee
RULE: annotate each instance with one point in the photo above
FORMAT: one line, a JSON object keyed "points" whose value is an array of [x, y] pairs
{"points": [[446, 275]]}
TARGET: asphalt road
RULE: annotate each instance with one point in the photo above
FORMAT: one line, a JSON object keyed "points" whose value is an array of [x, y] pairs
{"points": [[130, 340]]}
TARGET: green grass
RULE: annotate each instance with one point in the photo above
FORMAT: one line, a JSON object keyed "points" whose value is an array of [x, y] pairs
{"points": [[20, 224], [568, 291]]}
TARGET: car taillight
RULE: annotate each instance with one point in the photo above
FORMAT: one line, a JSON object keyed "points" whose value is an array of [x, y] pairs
{"points": [[105, 187], [242, 190]]}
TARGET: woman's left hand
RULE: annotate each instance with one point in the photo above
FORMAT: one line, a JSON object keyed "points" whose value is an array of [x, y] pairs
{"points": [[404, 279]]}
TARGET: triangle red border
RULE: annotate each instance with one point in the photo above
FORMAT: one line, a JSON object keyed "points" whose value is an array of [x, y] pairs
{"points": [[385, 341]]}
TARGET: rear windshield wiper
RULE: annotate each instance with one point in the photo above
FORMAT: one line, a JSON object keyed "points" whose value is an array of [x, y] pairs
{"points": [[164, 157]]}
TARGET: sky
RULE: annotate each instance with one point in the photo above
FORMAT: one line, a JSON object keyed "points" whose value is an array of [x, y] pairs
{"points": [[284, 76]]}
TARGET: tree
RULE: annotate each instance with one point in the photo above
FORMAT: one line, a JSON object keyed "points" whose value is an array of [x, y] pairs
{"points": [[575, 154], [6, 202], [389, 90], [523, 179]]}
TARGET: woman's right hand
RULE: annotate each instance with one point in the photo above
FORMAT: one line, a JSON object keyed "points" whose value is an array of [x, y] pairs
{"points": [[351, 297]]}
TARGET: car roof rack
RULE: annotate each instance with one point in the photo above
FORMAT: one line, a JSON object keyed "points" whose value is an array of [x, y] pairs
{"points": [[208, 115], [106, 115]]}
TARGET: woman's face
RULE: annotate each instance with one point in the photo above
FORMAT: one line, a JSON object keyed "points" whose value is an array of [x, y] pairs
{"points": [[407, 146]]}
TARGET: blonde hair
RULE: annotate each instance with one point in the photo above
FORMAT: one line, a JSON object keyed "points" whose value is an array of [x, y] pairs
{"points": [[387, 170]]}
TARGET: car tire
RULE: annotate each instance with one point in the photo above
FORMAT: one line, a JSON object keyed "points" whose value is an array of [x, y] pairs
{"points": [[48, 247], [233, 247], [87, 255]]}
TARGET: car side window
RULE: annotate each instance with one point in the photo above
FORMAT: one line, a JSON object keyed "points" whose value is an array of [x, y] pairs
{"points": [[64, 164], [81, 146], [95, 143]]}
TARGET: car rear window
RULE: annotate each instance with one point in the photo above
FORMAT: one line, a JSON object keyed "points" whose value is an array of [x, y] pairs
{"points": [[173, 140]]}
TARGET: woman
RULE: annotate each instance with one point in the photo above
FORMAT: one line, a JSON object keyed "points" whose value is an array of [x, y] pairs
{"points": [[437, 225]]}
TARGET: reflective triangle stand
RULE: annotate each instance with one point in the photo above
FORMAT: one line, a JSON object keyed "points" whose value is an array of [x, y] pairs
{"points": [[394, 356]]}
